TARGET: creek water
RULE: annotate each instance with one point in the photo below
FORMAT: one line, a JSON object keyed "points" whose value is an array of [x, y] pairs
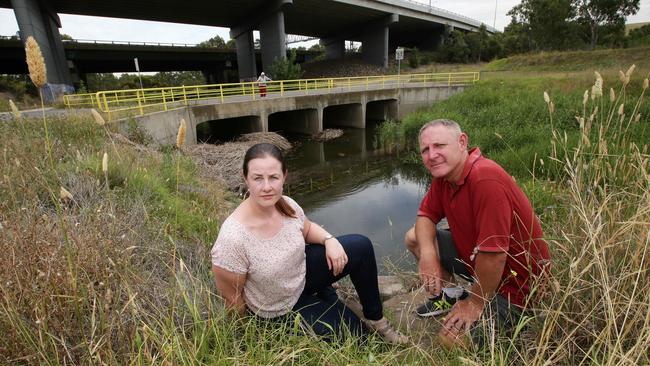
{"points": [[348, 185]]}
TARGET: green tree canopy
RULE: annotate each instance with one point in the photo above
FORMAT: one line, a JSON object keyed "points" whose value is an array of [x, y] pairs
{"points": [[597, 13], [214, 42]]}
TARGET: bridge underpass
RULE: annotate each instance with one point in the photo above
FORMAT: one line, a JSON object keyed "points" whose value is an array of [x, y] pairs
{"points": [[301, 121], [227, 129], [344, 115]]}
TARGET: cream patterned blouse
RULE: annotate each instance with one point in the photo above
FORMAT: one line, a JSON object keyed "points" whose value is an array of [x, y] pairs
{"points": [[275, 266]]}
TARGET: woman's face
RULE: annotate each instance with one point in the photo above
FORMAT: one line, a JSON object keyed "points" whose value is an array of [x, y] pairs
{"points": [[265, 180]]}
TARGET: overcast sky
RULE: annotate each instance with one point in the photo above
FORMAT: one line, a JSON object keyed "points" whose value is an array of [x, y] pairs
{"points": [[85, 27]]}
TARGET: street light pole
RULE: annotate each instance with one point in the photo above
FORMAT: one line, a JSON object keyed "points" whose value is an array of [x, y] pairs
{"points": [[494, 24]]}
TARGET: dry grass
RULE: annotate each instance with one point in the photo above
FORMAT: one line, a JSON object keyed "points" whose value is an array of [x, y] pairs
{"points": [[224, 162]]}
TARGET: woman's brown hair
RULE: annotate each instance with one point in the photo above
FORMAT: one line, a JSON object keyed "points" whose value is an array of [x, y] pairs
{"points": [[259, 151]]}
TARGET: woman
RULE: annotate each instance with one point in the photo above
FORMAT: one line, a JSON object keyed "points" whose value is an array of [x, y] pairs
{"points": [[262, 264]]}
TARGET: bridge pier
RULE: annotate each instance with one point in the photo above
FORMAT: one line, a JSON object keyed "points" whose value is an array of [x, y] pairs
{"points": [[375, 41], [334, 48], [37, 20], [272, 39], [270, 22], [245, 54]]}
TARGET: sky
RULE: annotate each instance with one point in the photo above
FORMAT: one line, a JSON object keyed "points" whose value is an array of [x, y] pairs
{"points": [[97, 28]]}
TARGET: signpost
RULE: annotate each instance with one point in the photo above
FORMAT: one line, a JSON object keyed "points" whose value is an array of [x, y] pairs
{"points": [[137, 68], [399, 56]]}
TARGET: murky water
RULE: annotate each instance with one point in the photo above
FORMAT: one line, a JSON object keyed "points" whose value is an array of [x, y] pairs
{"points": [[348, 186]]}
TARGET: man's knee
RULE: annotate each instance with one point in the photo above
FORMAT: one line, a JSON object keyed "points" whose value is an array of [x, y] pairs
{"points": [[410, 241]]}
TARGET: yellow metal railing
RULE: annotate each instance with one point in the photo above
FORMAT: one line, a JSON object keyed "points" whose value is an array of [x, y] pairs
{"points": [[142, 101]]}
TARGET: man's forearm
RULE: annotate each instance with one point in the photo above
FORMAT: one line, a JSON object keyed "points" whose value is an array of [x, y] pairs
{"points": [[425, 234], [488, 270]]}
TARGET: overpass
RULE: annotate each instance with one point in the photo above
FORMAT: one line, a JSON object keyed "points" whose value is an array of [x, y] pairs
{"points": [[88, 56], [379, 25]]}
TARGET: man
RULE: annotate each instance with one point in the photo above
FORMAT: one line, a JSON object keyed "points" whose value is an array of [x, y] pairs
{"points": [[262, 83], [497, 239]]}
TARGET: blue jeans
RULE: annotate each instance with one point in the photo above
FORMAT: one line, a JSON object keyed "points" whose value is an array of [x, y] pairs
{"points": [[320, 306]]}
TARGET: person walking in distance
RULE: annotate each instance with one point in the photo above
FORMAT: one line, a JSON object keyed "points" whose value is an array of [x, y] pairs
{"points": [[262, 80]]}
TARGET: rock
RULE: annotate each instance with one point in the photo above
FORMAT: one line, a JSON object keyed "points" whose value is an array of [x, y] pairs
{"points": [[401, 310], [390, 286]]}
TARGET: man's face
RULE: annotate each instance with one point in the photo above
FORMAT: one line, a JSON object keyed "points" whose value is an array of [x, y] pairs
{"points": [[443, 153]]}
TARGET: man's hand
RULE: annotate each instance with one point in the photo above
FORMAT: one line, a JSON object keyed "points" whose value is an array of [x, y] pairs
{"points": [[461, 318], [430, 275]]}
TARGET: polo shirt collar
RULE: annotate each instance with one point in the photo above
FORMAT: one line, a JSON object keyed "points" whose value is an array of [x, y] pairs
{"points": [[473, 155]]}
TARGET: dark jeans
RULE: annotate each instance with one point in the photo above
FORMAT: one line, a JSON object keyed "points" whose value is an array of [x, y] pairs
{"points": [[320, 306], [499, 313]]}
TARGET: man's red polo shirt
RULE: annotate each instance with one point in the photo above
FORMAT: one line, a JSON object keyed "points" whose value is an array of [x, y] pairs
{"points": [[488, 212]]}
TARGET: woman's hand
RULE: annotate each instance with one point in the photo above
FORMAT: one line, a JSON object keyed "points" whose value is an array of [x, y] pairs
{"points": [[336, 257]]}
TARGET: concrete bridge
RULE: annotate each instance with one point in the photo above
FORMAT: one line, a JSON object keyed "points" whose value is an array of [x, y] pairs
{"points": [[304, 114]]}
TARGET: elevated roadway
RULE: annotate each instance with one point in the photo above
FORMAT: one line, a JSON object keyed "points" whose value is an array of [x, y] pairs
{"points": [[379, 24], [104, 56]]}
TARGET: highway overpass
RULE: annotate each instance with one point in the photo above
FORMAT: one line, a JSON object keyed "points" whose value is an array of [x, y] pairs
{"points": [[380, 25], [86, 57]]}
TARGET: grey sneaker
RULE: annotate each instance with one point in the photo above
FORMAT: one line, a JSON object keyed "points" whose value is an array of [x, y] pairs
{"points": [[438, 305], [386, 331]]}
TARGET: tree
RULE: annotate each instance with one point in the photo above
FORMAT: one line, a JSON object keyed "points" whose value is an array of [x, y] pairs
{"points": [[547, 21], [455, 48], [598, 13], [214, 42], [286, 68]]}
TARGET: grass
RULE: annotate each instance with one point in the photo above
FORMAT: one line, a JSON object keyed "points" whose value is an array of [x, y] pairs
{"points": [[574, 60], [120, 273]]}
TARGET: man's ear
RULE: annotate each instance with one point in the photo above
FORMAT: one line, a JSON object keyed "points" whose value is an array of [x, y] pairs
{"points": [[463, 140]]}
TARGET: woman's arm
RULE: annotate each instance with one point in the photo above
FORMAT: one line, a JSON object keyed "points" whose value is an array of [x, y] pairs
{"points": [[334, 252], [230, 286]]}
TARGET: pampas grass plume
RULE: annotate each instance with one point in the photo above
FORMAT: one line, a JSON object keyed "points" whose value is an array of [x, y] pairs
{"points": [[547, 99], [105, 163], [629, 72], [645, 84], [64, 194], [621, 109], [612, 95], [180, 138], [585, 98], [35, 62], [98, 117], [14, 110]]}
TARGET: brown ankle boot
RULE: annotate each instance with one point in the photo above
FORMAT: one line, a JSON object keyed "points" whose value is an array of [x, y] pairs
{"points": [[386, 331]]}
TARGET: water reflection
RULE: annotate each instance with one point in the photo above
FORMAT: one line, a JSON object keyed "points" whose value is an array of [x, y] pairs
{"points": [[349, 186]]}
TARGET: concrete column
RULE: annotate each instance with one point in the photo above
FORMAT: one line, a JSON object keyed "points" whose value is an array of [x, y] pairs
{"points": [[245, 54], [34, 19], [375, 41], [272, 38], [334, 47]]}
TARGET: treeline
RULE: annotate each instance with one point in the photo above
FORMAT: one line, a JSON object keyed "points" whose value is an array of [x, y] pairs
{"points": [[108, 81], [549, 25]]}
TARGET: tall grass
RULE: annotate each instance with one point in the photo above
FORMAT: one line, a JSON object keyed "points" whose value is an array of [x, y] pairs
{"points": [[121, 274]]}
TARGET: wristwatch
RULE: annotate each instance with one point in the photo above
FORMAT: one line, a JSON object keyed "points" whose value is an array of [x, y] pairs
{"points": [[326, 238]]}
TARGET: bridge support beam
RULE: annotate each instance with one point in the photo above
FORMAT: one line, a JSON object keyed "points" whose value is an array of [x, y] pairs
{"points": [[375, 41], [334, 47], [270, 21], [36, 20], [272, 39], [245, 55]]}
